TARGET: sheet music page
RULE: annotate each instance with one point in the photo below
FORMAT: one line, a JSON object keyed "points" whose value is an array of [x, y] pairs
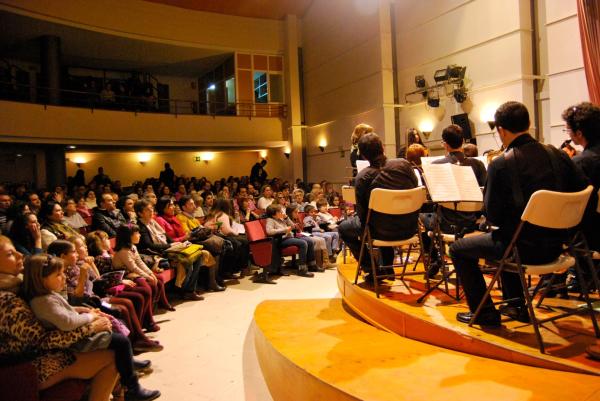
{"points": [[361, 164], [430, 159], [419, 180], [441, 182], [466, 183]]}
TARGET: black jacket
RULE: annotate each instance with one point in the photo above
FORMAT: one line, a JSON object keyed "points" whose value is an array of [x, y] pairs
{"points": [[395, 174], [534, 172], [107, 222], [146, 244], [589, 162]]}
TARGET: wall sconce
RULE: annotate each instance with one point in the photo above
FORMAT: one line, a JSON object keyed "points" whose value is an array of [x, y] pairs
{"points": [[426, 127], [287, 151], [79, 161], [487, 115], [144, 158], [322, 144], [492, 124], [207, 156], [263, 153]]}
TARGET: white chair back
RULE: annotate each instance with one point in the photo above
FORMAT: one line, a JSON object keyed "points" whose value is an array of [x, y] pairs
{"points": [[397, 201], [349, 194], [558, 210], [463, 206]]}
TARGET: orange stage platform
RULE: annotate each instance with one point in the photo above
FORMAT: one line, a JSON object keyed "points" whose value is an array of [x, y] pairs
{"points": [[317, 350], [434, 323]]}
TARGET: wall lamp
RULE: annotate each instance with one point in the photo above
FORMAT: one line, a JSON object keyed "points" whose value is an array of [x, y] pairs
{"points": [[79, 161], [287, 151], [426, 127], [144, 158], [207, 156], [322, 144]]}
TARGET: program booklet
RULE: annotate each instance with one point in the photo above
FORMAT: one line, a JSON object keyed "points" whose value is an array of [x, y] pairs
{"points": [[451, 183]]}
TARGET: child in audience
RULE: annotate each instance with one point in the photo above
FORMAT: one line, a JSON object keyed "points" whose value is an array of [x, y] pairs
{"points": [[322, 244], [311, 225], [278, 225], [325, 217], [44, 279]]}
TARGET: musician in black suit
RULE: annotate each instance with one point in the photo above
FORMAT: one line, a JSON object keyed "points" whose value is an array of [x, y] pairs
{"points": [[527, 166], [451, 221]]}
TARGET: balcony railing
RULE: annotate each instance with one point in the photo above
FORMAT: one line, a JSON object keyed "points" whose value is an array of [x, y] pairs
{"points": [[137, 104]]}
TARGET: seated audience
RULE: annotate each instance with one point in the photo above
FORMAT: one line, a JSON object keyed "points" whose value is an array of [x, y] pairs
{"points": [[106, 217], [72, 217], [53, 228], [26, 234]]}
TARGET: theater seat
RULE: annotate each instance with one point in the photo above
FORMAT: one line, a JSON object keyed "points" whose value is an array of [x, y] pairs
{"points": [[19, 383]]}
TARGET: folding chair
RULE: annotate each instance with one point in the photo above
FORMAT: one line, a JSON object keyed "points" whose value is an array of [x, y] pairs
{"points": [[391, 202], [441, 240], [555, 210]]}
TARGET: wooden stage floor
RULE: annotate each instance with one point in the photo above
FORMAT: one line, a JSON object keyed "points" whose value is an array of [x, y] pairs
{"points": [[434, 322]]}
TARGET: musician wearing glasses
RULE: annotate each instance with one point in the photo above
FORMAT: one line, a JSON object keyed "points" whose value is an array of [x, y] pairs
{"points": [[526, 166]]}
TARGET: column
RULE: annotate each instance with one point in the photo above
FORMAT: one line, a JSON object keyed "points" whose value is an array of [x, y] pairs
{"points": [[50, 58]]}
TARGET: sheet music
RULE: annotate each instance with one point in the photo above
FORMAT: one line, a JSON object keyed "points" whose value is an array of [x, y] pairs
{"points": [[430, 159], [238, 228], [451, 183], [419, 180], [361, 164]]}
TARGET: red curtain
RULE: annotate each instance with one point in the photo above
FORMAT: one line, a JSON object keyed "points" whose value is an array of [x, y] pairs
{"points": [[589, 28]]}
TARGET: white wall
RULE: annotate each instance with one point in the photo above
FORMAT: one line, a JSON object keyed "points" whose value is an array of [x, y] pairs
{"points": [[343, 80], [566, 76], [492, 38]]}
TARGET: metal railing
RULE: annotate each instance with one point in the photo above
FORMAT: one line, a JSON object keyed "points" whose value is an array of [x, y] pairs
{"points": [[137, 104]]}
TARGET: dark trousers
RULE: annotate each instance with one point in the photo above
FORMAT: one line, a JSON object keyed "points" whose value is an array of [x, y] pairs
{"points": [[465, 254], [190, 283], [351, 232], [123, 358]]}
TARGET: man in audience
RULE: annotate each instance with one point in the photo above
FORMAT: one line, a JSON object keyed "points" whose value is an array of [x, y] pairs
{"points": [[5, 203], [583, 127], [451, 221], [101, 178], [167, 176], [105, 218], [382, 173], [34, 202], [258, 173], [526, 167]]}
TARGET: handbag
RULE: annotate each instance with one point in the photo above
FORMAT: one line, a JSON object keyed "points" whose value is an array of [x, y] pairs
{"points": [[200, 234]]}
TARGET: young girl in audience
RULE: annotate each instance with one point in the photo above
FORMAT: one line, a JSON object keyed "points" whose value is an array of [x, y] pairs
{"points": [[127, 257], [137, 290], [119, 299], [82, 207], [322, 244], [278, 225], [44, 280], [325, 217], [311, 225]]}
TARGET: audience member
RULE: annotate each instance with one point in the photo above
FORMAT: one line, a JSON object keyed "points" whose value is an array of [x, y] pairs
{"points": [[106, 217]]}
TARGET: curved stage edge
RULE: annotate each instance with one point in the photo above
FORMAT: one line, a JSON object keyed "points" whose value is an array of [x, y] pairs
{"points": [[313, 350], [434, 323]]}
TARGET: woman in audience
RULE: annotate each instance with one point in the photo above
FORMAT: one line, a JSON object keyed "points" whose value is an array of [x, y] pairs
{"points": [[72, 218], [220, 221], [126, 253], [127, 209], [136, 290], [180, 191], [245, 213], [175, 233], [90, 200], [53, 228], [21, 333], [209, 200], [26, 234], [412, 136], [298, 199], [82, 208], [266, 199]]}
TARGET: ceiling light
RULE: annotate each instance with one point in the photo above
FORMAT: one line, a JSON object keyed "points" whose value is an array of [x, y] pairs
{"points": [[420, 81], [212, 87], [456, 71], [433, 100], [441, 75], [460, 94]]}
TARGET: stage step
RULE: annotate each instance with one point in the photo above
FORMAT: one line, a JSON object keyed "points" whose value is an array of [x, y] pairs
{"points": [[434, 322], [318, 350]]}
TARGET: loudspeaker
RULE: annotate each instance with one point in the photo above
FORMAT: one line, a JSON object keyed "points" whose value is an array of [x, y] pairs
{"points": [[462, 120]]}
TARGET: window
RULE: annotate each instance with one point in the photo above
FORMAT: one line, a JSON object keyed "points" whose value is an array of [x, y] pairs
{"points": [[261, 95], [276, 87]]}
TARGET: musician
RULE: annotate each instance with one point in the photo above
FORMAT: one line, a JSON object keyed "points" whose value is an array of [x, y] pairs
{"points": [[527, 166], [382, 173], [452, 222]]}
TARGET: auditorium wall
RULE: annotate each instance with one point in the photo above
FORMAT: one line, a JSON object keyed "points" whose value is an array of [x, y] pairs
{"points": [[566, 76], [125, 166], [346, 65]]}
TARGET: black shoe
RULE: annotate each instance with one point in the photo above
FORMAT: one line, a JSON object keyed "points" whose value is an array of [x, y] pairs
{"points": [[489, 319], [518, 313], [138, 393], [303, 271], [315, 268], [141, 364], [263, 278]]}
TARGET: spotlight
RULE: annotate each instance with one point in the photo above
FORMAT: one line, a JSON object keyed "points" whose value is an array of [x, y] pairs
{"points": [[460, 95], [441, 75], [433, 100], [456, 71], [420, 81]]}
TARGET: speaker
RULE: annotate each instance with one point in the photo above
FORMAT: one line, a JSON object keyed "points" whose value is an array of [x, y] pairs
{"points": [[462, 120]]}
